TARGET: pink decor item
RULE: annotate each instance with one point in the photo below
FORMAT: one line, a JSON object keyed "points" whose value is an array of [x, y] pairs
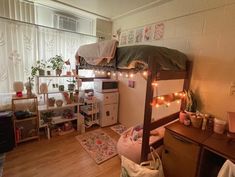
{"points": [[219, 126], [231, 122]]}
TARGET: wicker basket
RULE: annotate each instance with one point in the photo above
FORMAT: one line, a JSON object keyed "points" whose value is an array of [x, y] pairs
{"points": [[196, 121]]}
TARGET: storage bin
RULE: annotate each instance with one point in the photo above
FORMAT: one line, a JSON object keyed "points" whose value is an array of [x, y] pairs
{"points": [[219, 126], [196, 121], [231, 122]]}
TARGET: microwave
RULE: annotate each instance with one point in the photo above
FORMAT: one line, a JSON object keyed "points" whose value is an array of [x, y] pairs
{"points": [[105, 85]]}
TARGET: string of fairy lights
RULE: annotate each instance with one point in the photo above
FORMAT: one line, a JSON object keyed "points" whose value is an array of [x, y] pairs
{"points": [[156, 101], [119, 73]]}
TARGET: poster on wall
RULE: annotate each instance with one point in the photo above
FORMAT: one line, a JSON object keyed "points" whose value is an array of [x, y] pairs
{"points": [[148, 33], [130, 37], [123, 38], [139, 35], [158, 31]]}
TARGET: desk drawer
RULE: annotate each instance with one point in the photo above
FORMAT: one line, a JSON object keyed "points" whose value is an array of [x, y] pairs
{"points": [[180, 156]]}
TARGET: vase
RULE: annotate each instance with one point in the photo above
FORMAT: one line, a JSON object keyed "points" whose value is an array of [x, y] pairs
{"points": [[182, 116], [41, 72], [58, 72], [48, 73], [71, 87]]}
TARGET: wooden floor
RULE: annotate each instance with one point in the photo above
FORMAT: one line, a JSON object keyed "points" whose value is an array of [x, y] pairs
{"points": [[61, 156]]}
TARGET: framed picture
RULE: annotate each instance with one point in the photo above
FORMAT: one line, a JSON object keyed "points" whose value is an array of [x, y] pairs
{"points": [[130, 37], [158, 31], [123, 38], [148, 33], [139, 35], [131, 84]]}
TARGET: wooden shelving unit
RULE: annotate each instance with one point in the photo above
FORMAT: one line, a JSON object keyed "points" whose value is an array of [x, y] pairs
{"points": [[25, 128], [58, 118]]}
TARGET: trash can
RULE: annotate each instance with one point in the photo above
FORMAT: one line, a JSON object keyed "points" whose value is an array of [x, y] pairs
{"points": [[7, 139]]}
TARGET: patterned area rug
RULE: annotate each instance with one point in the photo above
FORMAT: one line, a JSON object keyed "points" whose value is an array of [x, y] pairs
{"points": [[98, 144], [119, 128], [2, 157]]}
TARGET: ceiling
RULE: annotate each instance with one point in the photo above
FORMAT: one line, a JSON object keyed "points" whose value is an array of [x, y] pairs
{"points": [[112, 8]]}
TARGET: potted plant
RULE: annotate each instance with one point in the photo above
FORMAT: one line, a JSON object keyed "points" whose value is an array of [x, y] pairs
{"points": [[191, 106], [39, 67], [71, 85], [57, 64]]}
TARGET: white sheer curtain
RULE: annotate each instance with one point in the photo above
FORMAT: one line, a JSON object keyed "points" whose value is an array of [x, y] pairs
{"points": [[22, 44]]}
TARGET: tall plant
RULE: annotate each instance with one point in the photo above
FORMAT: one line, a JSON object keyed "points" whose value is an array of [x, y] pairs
{"points": [[191, 102]]}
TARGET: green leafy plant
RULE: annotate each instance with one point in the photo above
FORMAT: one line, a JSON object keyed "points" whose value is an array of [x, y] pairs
{"points": [[56, 62], [191, 102], [40, 65]]}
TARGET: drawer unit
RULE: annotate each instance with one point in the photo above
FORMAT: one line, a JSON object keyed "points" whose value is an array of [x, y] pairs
{"points": [[180, 156], [107, 98]]}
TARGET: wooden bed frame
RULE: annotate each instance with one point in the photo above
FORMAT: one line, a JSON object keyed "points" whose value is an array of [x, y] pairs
{"points": [[155, 75]]}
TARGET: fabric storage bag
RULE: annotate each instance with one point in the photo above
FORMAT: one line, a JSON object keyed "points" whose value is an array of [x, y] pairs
{"points": [[151, 168]]}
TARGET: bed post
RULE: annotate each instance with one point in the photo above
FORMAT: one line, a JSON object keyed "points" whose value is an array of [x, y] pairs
{"points": [[152, 71]]}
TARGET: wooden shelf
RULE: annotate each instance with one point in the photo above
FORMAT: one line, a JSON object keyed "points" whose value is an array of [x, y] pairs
{"points": [[59, 119], [26, 119], [48, 108], [27, 139], [61, 76], [23, 97]]}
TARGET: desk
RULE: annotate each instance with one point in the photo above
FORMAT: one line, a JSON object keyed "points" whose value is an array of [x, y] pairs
{"points": [[214, 148]]}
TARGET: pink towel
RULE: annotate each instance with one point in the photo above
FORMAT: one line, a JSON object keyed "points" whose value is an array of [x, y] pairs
{"points": [[95, 53]]}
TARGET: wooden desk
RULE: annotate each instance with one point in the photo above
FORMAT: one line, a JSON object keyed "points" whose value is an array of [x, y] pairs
{"points": [[214, 148]]}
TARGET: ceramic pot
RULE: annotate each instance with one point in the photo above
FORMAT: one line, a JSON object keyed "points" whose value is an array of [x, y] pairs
{"points": [[71, 87], [48, 73], [59, 103], [51, 101], [41, 72], [58, 72], [61, 88]]}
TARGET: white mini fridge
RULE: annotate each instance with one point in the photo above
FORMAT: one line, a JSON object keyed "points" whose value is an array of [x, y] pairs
{"points": [[108, 103]]}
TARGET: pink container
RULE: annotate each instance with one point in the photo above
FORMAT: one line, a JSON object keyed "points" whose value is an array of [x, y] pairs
{"points": [[219, 126], [231, 122]]}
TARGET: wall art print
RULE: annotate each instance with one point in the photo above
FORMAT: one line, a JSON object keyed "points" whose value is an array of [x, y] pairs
{"points": [[139, 35], [123, 39], [148, 33], [158, 31], [130, 37]]}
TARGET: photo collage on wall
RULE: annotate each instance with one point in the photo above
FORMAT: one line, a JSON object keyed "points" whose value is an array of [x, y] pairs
{"points": [[142, 34]]}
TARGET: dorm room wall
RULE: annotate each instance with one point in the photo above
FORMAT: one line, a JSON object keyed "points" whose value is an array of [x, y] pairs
{"points": [[205, 32]]}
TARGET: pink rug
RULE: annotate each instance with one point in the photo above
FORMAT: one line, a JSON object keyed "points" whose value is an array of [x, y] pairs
{"points": [[98, 144], [119, 128]]}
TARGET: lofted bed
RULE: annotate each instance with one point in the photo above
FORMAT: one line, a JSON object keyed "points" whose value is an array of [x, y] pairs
{"points": [[159, 63]]}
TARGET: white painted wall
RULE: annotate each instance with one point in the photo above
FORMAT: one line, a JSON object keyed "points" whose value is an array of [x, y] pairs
{"points": [[205, 31]]}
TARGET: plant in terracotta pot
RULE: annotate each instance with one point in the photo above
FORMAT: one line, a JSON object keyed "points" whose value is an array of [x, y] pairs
{"points": [[191, 106], [57, 64]]}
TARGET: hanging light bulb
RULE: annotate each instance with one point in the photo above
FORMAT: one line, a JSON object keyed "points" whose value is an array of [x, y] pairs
{"points": [[168, 104], [176, 94], [154, 84], [120, 74], [102, 72], [98, 72], [127, 75], [114, 74], [157, 105], [162, 98], [145, 73], [108, 73], [178, 101], [131, 75]]}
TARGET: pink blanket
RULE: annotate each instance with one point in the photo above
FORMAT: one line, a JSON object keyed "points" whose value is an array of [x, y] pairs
{"points": [[95, 53]]}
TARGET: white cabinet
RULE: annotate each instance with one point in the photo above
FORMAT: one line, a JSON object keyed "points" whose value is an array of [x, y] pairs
{"points": [[108, 108]]}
